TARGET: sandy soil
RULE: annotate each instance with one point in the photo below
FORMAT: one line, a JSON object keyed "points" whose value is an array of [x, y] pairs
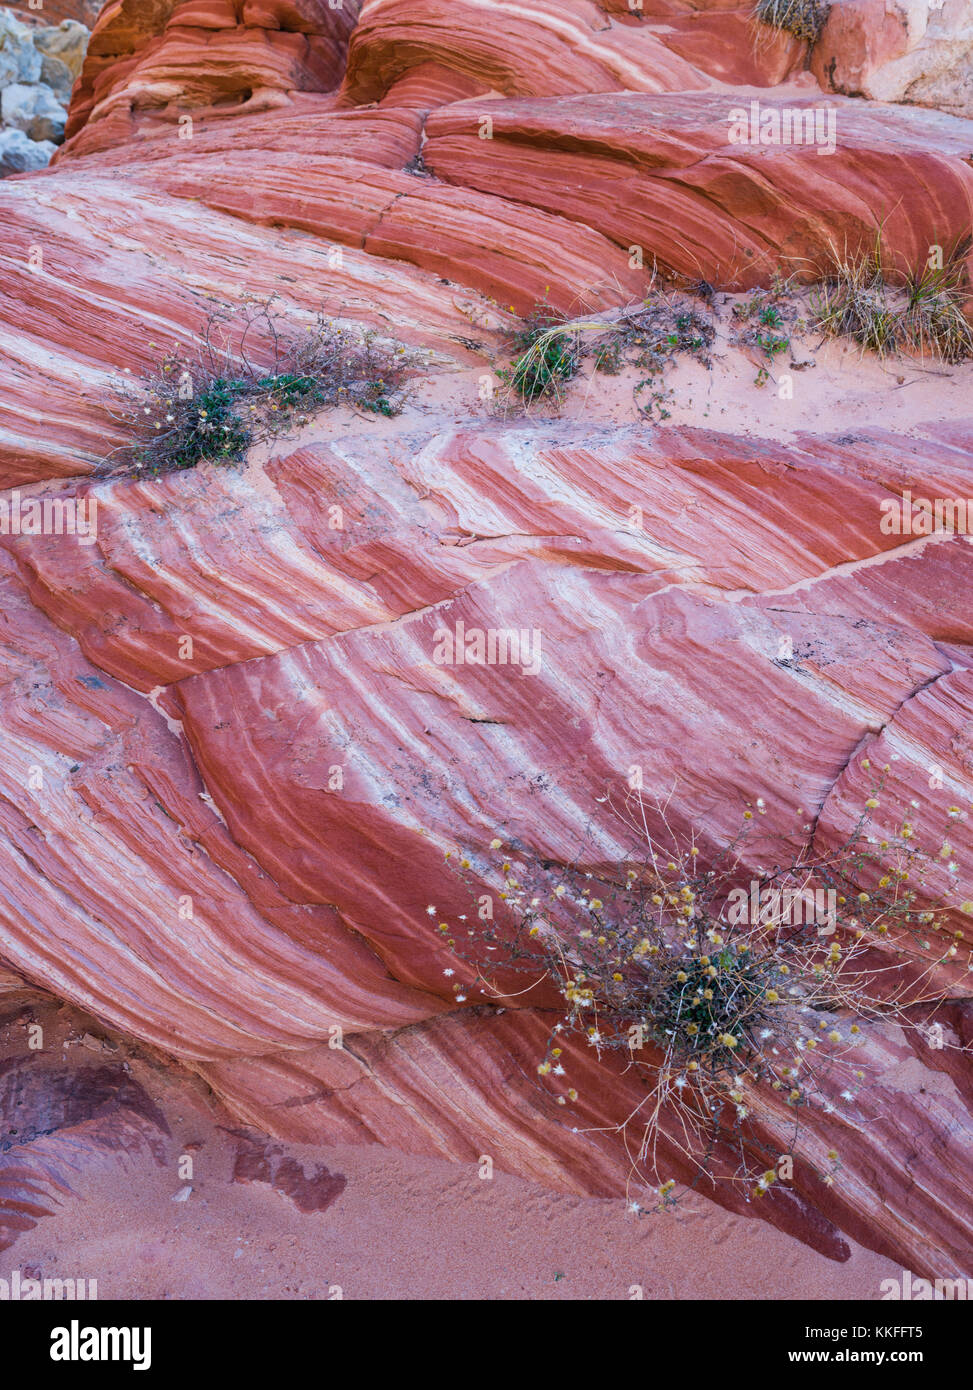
{"points": [[409, 1228], [833, 385], [402, 1228]]}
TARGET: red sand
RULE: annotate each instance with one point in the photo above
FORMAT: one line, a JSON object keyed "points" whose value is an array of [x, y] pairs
{"points": [[403, 1228]]}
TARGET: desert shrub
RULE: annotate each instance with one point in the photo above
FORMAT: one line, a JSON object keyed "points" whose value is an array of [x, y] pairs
{"points": [[722, 1009], [802, 18], [645, 337], [921, 311], [766, 321], [648, 338], [251, 377], [545, 356]]}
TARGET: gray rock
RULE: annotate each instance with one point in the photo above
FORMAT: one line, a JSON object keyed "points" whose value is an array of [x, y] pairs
{"points": [[69, 42], [58, 77], [34, 110], [17, 104], [20, 155], [20, 61]]}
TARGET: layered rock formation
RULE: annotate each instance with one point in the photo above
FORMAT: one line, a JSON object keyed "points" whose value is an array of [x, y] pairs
{"points": [[231, 763]]}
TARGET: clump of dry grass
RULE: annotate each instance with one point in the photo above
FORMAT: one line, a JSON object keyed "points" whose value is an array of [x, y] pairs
{"points": [[924, 313], [546, 348], [803, 18], [725, 1011]]}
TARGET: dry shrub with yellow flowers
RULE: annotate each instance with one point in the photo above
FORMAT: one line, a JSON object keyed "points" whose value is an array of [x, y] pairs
{"points": [[716, 980]]}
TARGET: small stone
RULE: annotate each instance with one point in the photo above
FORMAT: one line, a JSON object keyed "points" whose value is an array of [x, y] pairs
{"points": [[68, 42], [21, 155], [20, 61], [58, 77], [184, 1194], [34, 110]]}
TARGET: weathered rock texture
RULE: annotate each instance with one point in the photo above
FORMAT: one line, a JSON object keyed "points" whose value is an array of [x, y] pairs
{"points": [[60, 1119], [918, 51], [228, 848]]}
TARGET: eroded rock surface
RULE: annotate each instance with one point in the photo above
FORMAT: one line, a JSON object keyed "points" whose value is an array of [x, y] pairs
{"points": [[180, 858], [917, 51]]}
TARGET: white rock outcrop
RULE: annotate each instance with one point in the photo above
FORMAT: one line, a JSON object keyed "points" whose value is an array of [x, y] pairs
{"points": [[914, 51], [38, 68]]}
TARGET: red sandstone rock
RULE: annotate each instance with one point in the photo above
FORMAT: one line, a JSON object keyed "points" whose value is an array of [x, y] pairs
{"points": [[258, 1161], [230, 852], [184, 55], [54, 1119], [401, 728], [537, 48], [669, 180]]}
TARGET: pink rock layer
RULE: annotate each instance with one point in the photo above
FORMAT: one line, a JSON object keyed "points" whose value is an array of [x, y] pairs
{"points": [[227, 848]]}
